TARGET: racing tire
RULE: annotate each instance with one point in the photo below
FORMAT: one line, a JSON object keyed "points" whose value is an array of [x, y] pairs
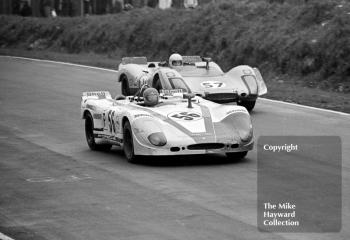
{"points": [[128, 146], [90, 138], [249, 105], [125, 86], [236, 156]]}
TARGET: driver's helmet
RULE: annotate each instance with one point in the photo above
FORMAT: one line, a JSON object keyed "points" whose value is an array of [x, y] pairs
{"points": [[150, 97], [175, 60]]}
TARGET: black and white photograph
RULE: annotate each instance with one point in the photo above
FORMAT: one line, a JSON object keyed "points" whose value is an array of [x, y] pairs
{"points": [[174, 119]]}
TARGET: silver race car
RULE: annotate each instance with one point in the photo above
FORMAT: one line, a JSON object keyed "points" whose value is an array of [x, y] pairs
{"points": [[170, 123], [242, 84]]}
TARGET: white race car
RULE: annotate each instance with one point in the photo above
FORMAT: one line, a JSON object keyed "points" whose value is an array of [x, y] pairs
{"points": [[179, 123], [201, 76]]}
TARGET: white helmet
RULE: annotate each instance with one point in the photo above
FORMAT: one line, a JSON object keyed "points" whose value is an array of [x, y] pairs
{"points": [[175, 60], [150, 97]]}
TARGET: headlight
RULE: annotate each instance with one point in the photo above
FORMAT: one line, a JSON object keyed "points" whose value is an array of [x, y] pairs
{"points": [[157, 139], [246, 135], [243, 126], [251, 83]]}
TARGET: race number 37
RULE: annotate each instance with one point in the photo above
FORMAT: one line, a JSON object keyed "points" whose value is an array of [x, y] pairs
{"points": [[213, 84]]}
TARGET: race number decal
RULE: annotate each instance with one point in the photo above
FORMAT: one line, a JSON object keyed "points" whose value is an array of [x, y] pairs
{"points": [[142, 80], [213, 84], [185, 116], [111, 120]]}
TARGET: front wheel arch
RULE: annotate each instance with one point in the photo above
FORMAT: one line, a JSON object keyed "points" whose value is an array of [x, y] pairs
{"points": [[124, 120], [249, 105], [156, 83]]}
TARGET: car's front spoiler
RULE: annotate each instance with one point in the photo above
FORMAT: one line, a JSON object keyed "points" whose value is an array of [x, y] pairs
{"points": [[141, 149], [228, 97]]}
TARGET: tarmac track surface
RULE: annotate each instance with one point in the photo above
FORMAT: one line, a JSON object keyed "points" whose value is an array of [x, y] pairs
{"points": [[53, 187]]}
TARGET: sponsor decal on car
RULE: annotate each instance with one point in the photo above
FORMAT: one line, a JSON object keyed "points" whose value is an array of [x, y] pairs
{"points": [[170, 92], [142, 115], [236, 110], [100, 95]]}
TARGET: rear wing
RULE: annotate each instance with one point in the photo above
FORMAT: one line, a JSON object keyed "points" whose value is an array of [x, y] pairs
{"points": [[191, 59], [134, 60], [96, 95]]}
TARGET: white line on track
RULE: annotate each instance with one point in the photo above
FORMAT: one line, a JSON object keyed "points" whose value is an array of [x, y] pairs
{"points": [[4, 237], [63, 63], [115, 71], [304, 106]]}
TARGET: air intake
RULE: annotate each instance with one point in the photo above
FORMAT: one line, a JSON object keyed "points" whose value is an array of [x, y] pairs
{"points": [[174, 149], [205, 146], [221, 97]]}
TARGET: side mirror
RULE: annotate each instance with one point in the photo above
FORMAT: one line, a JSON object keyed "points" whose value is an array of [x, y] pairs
{"points": [[189, 95], [207, 60]]}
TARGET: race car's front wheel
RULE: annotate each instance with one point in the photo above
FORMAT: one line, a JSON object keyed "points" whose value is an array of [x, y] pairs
{"points": [[125, 86], [156, 83], [128, 146], [90, 138], [236, 156], [249, 105]]}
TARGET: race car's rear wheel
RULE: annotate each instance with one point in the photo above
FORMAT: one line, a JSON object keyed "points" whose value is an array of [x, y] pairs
{"points": [[90, 138], [249, 105], [236, 156], [128, 146]]}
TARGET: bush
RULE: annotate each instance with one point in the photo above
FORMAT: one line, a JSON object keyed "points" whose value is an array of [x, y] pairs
{"points": [[310, 39]]}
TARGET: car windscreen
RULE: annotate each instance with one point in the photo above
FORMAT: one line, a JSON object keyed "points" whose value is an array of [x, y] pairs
{"points": [[178, 83], [192, 71]]}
